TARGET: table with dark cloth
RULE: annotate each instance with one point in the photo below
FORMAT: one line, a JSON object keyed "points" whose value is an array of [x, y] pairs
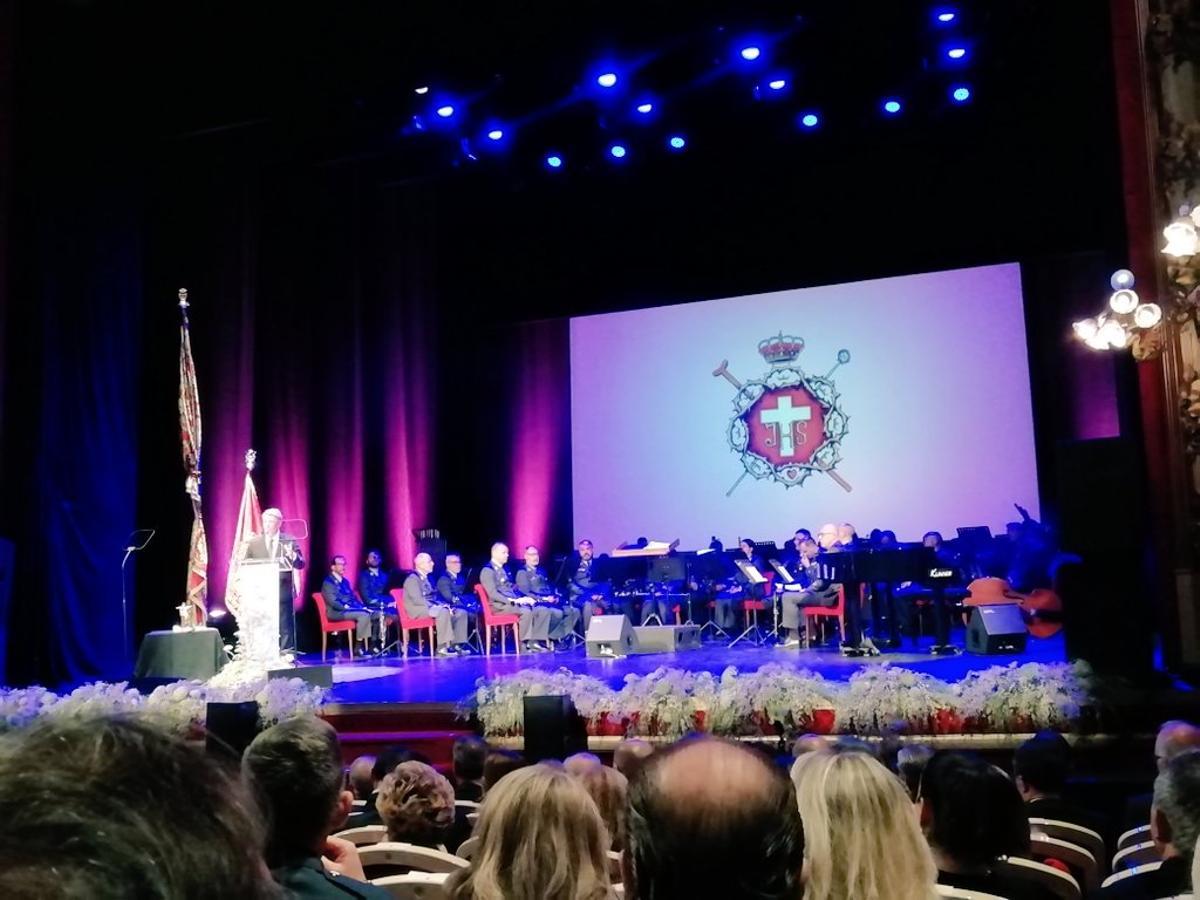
{"points": [[195, 654]]}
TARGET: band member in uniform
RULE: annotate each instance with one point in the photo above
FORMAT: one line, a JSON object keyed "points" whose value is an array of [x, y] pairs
{"points": [[452, 586], [885, 606], [585, 592], [815, 591], [733, 595], [284, 549], [534, 621], [420, 602], [853, 641], [373, 582], [532, 582], [341, 603]]}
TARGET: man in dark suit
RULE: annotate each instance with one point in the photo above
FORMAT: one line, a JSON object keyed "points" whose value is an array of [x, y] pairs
{"points": [[452, 586], [341, 603], [420, 601], [285, 550], [1040, 769], [809, 589], [295, 769], [532, 582], [1174, 738], [1174, 827], [373, 582], [585, 591], [505, 599]]}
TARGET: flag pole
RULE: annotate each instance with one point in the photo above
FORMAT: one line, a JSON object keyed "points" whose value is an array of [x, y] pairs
{"points": [[191, 440]]}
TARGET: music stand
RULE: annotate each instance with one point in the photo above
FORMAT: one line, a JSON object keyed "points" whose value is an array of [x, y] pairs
{"points": [[711, 565], [754, 576], [665, 571]]}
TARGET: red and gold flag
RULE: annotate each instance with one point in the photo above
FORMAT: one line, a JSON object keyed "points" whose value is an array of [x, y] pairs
{"points": [[249, 524], [190, 436]]}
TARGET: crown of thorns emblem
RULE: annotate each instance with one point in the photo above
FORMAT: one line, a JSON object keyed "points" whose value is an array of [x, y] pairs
{"points": [[787, 424]]}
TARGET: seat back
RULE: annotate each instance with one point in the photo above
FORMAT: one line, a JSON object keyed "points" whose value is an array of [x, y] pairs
{"points": [[1131, 873], [415, 886], [467, 848], [1136, 855], [1055, 880], [406, 621], [319, 601], [1086, 838], [1138, 835], [944, 890], [410, 856], [364, 835], [614, 866], [1076, 857], [466, 804], [485, 609]]}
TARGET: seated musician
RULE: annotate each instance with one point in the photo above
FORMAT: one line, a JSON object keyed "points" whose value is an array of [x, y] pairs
{"points": [[533, 620], [532, 582], [791, 556], [585, 591], [886, 609], [814, 591], [854, 642], [732, 597], [452, 586], [373, 582], [421, 601], [341, 603], [665, 595]]}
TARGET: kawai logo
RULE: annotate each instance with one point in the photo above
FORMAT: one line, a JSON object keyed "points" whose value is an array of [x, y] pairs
{"points": [[787, 424]]}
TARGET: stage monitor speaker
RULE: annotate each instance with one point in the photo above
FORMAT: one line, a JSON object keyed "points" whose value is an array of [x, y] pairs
{"points": [[609, 636], [996, 628], [553, 729], [665, 638], [230, 727], [318, 676]]}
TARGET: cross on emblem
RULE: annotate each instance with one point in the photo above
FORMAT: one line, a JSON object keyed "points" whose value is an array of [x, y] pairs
{"points": [[783, 420]]}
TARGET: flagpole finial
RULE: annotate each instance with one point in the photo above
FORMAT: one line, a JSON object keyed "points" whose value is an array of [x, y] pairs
{"points": [[251, 457], [183, 300]]}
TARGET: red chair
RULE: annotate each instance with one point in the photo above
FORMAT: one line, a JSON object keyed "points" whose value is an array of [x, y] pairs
{"points": [[819, 612], [492, 620], [750, 611], [408, 623], [328, 628]]}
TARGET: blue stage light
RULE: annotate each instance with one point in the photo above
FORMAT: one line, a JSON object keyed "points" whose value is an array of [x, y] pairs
{"points": [[810, 120], [960, 94], [617, 151], [645, 108], [554, 161], [891, 107], [777, 85], [751, 53], [607, 79], [677, 142], [956, 52], [445, 111]]}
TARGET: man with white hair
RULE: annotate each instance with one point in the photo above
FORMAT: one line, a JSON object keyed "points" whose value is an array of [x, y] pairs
{"points": [[420, 602], [285, 550], [534, 621]]}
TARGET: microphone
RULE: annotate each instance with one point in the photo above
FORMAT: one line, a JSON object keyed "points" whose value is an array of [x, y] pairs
{"points": [[139, 534]]}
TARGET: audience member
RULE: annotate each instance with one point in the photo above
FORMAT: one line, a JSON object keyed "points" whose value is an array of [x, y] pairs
{"points": [[1174, 737], [384, 763], [578, 763], [1174, 827], [709, 818], [362, 782], [1040, 768], [295, 769], [540, 838], [609, 790], [972, 815], [630, 754], [416, 803], [862, 836], [104, 808], [498, 764], [911, 761], [469, 755]]}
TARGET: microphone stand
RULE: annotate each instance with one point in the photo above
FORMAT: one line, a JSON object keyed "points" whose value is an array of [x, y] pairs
{"points": [[130, 549]]}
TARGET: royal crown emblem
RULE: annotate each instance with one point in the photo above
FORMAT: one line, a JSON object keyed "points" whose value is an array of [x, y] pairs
{"points": [[787, 425]]}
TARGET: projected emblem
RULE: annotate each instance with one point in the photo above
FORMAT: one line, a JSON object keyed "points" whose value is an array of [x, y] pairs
{"points": [[787, 424]]}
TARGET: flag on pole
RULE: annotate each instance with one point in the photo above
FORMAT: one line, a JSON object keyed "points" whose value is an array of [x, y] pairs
{"points": [[190, 436], [249, 523]]}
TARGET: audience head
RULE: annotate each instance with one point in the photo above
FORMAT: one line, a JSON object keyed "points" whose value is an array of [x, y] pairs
{"points": [[1041, 764], [1175, 815], [362, 782], [709, 818], [1175, 737], [498, 764], [453, 563], [337, 565], [579, 763], [470, 754], [862, 834], [103, 808], [608, 789], [911, 761], [416, 803], [532, 556], [970, 811], [540, 838], [630, 754], [295, 768], [374, 559], [808, 743], [827, 536], [392, 757], [499, 553]]}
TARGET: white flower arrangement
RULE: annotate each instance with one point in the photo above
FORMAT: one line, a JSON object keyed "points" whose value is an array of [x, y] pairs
{"points": [[1027, 697], [774, 695], [19, 707], [97, 698], [888, 698]]}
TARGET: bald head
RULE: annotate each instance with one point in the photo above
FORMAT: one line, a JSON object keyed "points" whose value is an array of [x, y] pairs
{"points": [[630, 754], [581, 763], [423, 563], [362, 782], [1175, 738], [699, 811], [499, 553]]}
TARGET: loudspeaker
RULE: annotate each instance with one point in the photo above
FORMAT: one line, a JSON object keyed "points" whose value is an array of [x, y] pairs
{"points": [[665, 638], [553, 729], [230, 728], [609, 636], [996, 629], [319, 676]]}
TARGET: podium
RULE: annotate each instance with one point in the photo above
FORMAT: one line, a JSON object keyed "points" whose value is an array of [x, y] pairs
{"points": [[258, 613]]}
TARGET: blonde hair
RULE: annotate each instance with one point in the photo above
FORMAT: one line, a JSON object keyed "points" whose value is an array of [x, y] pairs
{"points": [[608, 789], [540, 838], [416, 803], [862, 837]]}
